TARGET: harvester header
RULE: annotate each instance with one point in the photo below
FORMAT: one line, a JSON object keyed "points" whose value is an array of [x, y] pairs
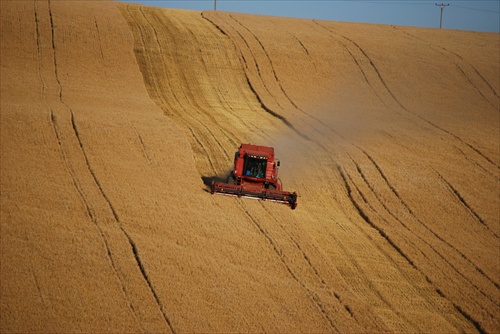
{"points": [[255, 175]]}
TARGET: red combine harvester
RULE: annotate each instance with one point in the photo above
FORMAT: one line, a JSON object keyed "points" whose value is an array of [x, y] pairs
{"points": [[255, 175]]}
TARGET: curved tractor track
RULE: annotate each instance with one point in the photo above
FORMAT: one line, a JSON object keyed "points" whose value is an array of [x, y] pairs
{"points": [[114, 115]]}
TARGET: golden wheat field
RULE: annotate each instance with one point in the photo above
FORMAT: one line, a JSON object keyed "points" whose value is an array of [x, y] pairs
{"points": [[114, 116]]}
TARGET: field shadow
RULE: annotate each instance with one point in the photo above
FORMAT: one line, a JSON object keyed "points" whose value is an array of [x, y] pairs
{"points": [[207, 180]]}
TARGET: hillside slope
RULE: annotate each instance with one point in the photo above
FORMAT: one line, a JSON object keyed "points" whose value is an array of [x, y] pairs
{"points": [[113, 116]]}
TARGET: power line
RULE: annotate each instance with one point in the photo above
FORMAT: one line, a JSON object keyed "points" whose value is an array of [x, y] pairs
{"points": [[481, 10]]}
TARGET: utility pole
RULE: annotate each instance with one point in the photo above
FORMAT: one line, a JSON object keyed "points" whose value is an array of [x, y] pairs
{"points": [[215, 4], [442, 5]]}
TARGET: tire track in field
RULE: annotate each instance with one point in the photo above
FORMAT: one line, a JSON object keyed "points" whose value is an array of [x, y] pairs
{"points": [[448, 262], [275, 75], [65, 155], [363, 274], [195, 114], [247, 65], [91, 214], [143, 147], [38, 289], [393, 96], [276, 78], [278, 82], [303, 47], [276, 247], [399, 197], [100, 45], [468, 208], [152, 81], [154, 86], [130, 240], [247, 57], [355, 309], [477, 164], [357, 60], [76, 182], [426, 227], [187, 93], [304, 255], [394, 191], [151, 30], [346, 178], [476, 303], [474, 149], [313, 296], [433, 234], [260, 75], [63, 151], [348, 181], [461, 68], [273, 70], [39, 53], [205, 111], [462, 71], [253, 127], [200, 110]]}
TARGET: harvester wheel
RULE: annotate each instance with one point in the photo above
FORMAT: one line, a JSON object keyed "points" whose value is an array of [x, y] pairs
{"points": [[231, 179]]}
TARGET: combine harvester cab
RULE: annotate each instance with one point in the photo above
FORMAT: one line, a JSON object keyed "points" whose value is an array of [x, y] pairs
{"points": [[255, 175]]}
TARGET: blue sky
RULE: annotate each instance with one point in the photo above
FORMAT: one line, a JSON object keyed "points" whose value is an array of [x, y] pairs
{"points": [[463, 15]]}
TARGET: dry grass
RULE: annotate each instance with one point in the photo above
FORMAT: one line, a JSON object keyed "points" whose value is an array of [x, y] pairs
{"points": [[112, 115]]}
